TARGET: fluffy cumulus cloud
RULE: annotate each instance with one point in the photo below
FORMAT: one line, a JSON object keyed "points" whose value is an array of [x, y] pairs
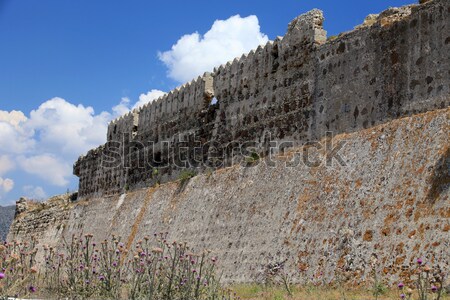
{"points": [[48, 167], [122, 108], [14, 137], [148, 97], [194, 54], [45, 143], [125, 103], [14, 118], [72, 129]]}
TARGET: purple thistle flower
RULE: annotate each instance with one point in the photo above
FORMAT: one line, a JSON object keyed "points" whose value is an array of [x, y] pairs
{"points": [[402, 296], [434, 289], [101, 278], [194, 271], [2, 275], [400, 285], [32, 289], [114, 264], [87, 282], [419, 261]]}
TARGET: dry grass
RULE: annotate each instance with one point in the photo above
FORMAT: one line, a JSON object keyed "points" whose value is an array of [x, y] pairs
{"points": [[258, 292]]}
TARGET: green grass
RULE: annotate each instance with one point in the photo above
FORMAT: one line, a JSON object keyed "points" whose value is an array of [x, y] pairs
{"points": [[185, 175], [253, 158]]}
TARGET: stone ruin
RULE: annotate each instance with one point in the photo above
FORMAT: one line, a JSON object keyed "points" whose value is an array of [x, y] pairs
{"points": [[383, 88], [294, 89]]}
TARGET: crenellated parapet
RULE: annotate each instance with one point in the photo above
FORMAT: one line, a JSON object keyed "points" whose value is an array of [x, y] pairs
{"points": [[293, 89]]}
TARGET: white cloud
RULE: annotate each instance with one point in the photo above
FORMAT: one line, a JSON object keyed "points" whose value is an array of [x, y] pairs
{"points": [[6, 164], [6, 185], [194, 54], [48, 167], [122, 108], [149, 97], [14, 118], [34, 192], [14, 138], [72, 129], [47, 142]]}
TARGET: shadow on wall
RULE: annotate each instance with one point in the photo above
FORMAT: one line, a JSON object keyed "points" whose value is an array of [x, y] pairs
{"points": [[440, 179]]}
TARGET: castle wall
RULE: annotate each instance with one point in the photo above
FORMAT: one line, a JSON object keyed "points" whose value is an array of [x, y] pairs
{"points": [[295, 88], [388, 206]]}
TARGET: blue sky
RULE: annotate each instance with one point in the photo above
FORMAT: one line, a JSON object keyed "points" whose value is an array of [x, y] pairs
{"points": [[101, 57]]}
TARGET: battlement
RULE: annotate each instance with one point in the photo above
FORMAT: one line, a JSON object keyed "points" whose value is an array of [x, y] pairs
{"points": [[295, 88], [187, 98]]}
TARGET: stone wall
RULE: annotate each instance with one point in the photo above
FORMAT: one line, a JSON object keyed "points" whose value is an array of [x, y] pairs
{"points": [[295, 88], [388, 204]]}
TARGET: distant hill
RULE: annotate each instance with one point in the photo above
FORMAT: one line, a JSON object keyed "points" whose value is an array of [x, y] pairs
{"points": [[6, 217]]}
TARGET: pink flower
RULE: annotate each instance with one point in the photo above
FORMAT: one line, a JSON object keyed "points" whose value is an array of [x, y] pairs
{"points": [[419, 261], [2, 275], [434, 289], [402, 296], [400, 285]]}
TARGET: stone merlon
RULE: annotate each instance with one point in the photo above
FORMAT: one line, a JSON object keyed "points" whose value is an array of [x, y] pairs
{"points": [[294, 88]]}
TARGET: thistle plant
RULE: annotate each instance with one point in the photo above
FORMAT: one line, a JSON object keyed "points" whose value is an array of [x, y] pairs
{"points": [[427, 280], [18, 268], [81, 268]]}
